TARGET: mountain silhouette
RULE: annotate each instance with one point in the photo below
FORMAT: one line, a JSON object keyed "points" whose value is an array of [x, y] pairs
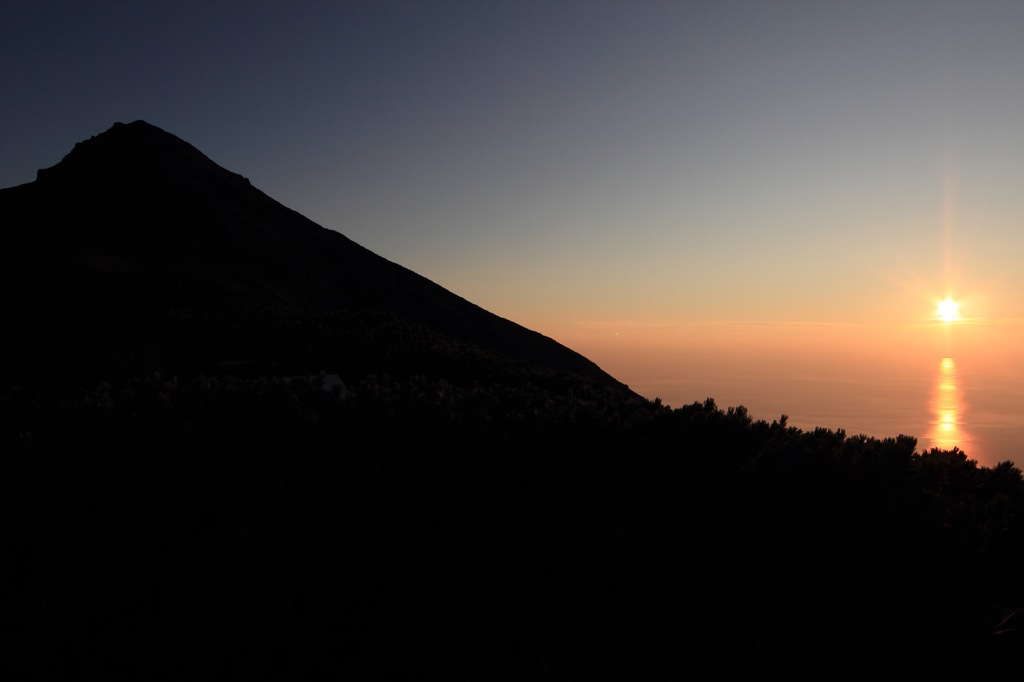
{"points": [[135, 222]]}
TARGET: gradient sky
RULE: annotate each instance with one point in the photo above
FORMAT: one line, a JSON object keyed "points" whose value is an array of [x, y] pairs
{"points": [[665, 186]]}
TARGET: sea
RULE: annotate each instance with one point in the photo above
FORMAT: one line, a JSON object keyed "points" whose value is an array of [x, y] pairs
{"points": [[942, 400]]}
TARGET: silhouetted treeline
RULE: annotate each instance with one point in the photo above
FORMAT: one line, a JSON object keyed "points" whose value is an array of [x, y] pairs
{"points": [[519, 524]]}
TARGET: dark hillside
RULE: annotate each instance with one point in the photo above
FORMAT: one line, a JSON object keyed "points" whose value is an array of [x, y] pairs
{"points": [[135, 225], [261, 529]]}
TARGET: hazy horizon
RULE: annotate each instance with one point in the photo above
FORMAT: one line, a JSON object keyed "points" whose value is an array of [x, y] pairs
{"points": [[761, 203]]}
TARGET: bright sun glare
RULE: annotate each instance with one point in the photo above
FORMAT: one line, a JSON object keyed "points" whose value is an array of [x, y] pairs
{"points": [[948, 310]]}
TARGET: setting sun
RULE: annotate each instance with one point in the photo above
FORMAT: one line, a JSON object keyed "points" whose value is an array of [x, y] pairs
{"points": [[948, 310]]}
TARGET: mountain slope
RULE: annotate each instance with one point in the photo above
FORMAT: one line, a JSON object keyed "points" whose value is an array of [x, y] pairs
{"points": [[135, 220]]}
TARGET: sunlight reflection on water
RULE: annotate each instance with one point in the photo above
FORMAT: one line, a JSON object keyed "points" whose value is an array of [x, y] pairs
{"points": [[947, 410], [962, 402]]}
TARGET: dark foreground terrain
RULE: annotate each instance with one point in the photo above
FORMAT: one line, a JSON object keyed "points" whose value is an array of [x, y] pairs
{"points": [[189, 493], [529, 531]]}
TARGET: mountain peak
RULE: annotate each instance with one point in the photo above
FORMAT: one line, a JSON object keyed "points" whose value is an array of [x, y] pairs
{"points": [[136, 219], [124, 150]]}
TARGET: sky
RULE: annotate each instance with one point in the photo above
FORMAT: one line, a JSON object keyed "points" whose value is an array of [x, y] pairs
{"points": [[741, 191]]}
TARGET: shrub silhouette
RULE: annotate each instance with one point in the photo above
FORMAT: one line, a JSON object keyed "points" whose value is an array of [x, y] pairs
{"points": [[511, 526]]}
